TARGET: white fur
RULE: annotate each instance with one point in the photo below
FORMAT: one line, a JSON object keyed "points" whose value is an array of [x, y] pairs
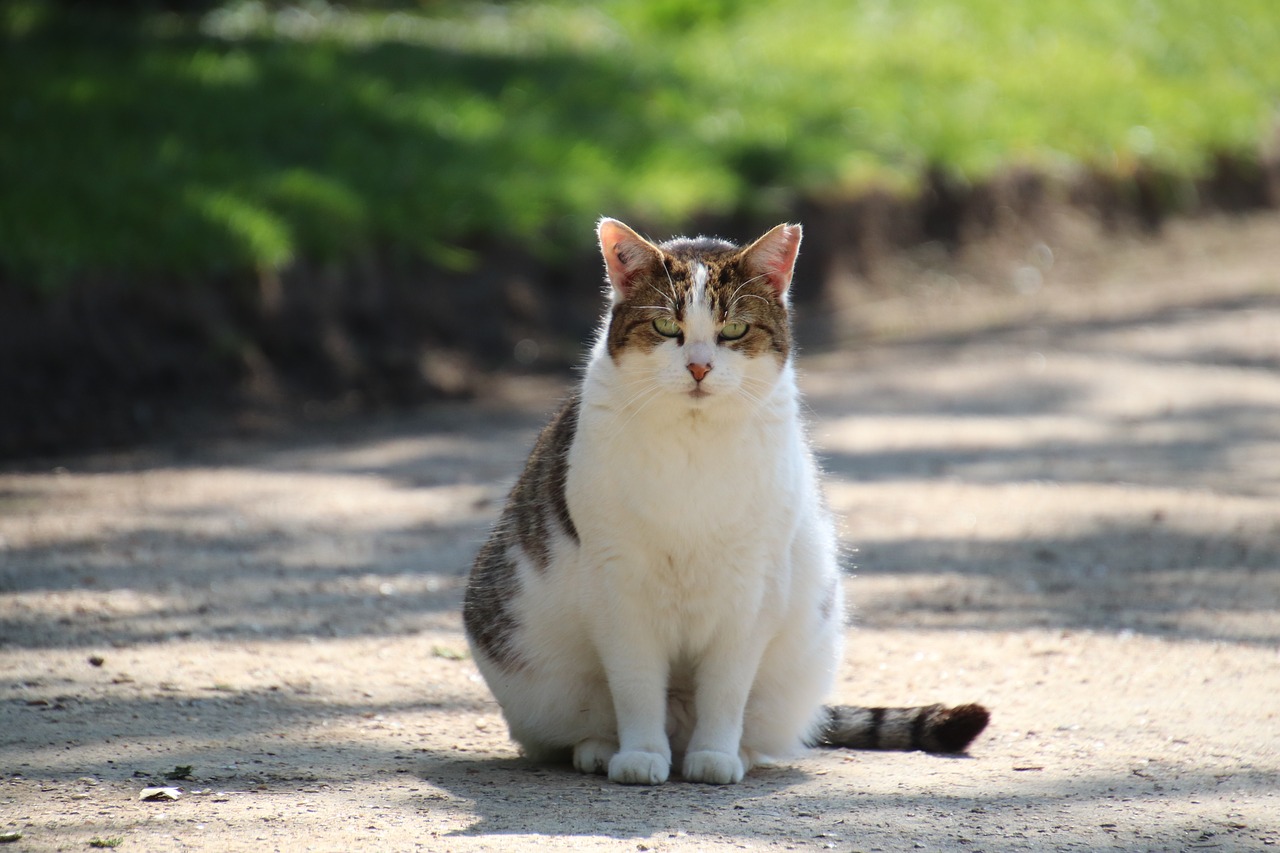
{"points": [[699, 294], [688, 619]]}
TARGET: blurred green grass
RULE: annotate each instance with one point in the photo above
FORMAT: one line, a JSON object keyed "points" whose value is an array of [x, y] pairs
{"points": [[254, 135]]}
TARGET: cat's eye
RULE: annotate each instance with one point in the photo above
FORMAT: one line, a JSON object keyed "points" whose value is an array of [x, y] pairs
{"points": [[733, 331], [666, 326]]}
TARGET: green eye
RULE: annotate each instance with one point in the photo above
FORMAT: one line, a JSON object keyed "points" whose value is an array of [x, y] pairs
{"points": [[666, 326], [733, 331]]}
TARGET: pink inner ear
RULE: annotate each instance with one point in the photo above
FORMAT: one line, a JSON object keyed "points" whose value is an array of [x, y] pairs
{"points": [[775, 253], [625, 253], [611, 247]]}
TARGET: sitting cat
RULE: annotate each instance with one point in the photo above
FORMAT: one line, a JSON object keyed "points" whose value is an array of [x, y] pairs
{"points": [[663, 581]]}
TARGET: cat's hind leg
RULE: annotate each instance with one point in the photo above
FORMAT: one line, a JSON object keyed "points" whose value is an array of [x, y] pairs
{"points": [[556, 710], [795, 676], [593, 754]]}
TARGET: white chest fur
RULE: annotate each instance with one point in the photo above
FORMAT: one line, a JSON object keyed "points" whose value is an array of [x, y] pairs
{"points": [[690, 510], [687, 470]]}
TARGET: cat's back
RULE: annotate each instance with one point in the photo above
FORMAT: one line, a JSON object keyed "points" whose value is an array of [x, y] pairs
{"points": [[533, 533]]}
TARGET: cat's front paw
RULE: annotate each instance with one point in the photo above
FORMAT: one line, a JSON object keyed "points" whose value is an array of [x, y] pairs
{"points": [[593, 754], [714, 768], [639, 768]]}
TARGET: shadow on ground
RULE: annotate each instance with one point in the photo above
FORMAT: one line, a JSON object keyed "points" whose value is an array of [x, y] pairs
{"points": [[1124, 490], [268, 556]]}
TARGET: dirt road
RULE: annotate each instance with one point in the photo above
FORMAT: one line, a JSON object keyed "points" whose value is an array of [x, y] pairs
{"points": [[1063, 489]]}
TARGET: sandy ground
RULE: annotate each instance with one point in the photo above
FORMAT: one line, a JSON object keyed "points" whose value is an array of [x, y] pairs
{"points": [[1060, 490]]}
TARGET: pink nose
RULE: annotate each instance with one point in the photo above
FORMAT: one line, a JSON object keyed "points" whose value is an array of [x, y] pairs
{"points": [[699, 371]]}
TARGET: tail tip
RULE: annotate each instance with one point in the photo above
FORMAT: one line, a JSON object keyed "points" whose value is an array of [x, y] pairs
{"points": [[955, 728]]}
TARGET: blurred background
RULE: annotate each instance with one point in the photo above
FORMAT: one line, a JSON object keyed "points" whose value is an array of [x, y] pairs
{"points": [[251, 210]]}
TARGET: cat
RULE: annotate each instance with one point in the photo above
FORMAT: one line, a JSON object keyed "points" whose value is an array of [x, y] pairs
{"points": [[663, 581]]}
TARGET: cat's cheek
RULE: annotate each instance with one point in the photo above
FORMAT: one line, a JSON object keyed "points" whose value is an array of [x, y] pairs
{"points": [[741, 377], [762, 372], [720, 382], [664, 363]]}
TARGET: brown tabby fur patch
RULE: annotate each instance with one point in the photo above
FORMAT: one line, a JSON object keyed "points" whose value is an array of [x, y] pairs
{"points": [[734, 292], [537, 501]]}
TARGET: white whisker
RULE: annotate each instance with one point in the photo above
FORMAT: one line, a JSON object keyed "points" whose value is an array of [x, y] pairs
{"points": [[670, 300], [645, 396], [733, 296]]}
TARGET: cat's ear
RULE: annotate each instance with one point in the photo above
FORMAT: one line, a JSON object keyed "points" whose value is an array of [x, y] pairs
{"points": [[626, 254], [773, 256]]}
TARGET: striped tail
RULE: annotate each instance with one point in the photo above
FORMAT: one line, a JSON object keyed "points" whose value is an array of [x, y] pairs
{"points": [[933, 728]]}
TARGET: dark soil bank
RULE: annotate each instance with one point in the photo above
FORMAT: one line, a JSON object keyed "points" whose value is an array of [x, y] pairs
{"points": [[111, 360]]}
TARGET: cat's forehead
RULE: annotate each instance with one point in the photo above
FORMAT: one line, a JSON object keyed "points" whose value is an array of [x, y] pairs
{"points": [[700, 261], [703, 249]]}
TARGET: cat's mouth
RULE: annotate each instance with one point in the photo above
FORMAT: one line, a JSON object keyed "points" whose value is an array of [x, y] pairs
{"points": [[698, 392]]}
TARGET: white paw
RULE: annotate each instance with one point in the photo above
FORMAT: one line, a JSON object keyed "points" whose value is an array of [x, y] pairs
{"points": [[639, 768], [715, 768], [592, 755]]}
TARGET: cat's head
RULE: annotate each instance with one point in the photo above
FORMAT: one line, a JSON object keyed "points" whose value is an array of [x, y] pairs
{"points": [[700, 318]]}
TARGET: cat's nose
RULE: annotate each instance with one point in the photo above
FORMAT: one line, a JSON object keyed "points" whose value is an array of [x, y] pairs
{"points": [[699, 371]]}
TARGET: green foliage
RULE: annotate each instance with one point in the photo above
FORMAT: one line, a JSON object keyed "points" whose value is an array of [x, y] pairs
{"points": [[255, 134]]}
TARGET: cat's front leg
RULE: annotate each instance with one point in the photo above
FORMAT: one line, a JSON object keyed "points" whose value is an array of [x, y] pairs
{"points": [[637, 672], [724, 681]]}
